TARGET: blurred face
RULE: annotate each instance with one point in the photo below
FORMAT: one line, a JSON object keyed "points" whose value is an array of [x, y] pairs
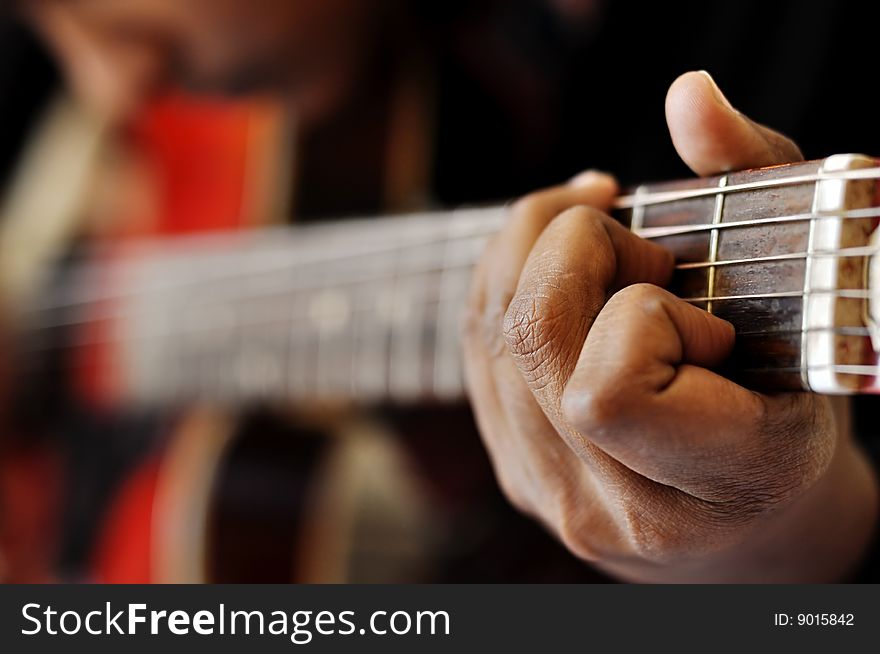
{"points": [[117, 51]]}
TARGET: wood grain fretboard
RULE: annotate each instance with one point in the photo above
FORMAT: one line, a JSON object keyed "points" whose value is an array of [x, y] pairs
{"points": [[369, 310]]}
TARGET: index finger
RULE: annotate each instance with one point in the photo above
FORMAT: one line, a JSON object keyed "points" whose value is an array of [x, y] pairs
{"points": [[580, 258]]}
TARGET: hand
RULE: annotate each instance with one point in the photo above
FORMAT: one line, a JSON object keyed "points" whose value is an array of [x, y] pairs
{"points": [[595, 396]]}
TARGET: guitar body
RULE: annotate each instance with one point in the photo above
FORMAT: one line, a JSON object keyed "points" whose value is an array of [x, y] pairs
{"points": [[188, 513], [229, 495], [223, 502]]}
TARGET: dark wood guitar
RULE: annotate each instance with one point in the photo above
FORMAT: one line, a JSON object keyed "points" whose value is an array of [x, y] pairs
{"points": [[361, 312]]}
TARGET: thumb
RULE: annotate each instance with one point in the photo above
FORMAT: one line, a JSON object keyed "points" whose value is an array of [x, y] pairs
{"points": [[711, 136]]}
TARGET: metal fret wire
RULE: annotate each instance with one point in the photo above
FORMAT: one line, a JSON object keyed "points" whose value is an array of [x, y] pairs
{"points": [[717, 214], [808, 284]]}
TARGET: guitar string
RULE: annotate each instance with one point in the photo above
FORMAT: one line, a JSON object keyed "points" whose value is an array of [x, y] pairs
{"points": [[313, 284], [119, 311], [289, 259], [298, 339], [682, 230], [287, 322], [650, 198], [866, 370], [198, 385], [856, 294], [234, 272], [425, 301], [462, 216], [286, 326], [842, 253]]}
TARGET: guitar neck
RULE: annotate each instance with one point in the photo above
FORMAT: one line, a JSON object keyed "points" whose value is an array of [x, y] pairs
{"points": [[369, 310], [363, 310]]}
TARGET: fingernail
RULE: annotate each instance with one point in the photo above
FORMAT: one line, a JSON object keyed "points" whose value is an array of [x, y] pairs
{"points": [[722, 99], [590, 177]]}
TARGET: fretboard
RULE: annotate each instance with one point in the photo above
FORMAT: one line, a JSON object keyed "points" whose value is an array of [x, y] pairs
{"points": [[369, 310]]}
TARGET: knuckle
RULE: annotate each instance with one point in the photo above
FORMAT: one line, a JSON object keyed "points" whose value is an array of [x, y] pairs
{"points": [[574, 525], [642, 297], [664, 536], [529, 206], [595, 232], [574, 536], [524, 325], [595, 408], [745, 504], [543, 208], [591, 216], [649, 538], [534, 328], [786, 451], [802, 436]]}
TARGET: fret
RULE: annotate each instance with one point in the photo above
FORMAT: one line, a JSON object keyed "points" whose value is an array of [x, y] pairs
{"points": [[454, 284], [257, 358], [329, 317], [692, 247], [405, 366], [408, 374], [300, 355], [151, 369], [781, 350], [445, 382], [713, 242], [257, 370], [375, 311], [429, 336], [211, 328], [637, 212], [447, 379]]}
